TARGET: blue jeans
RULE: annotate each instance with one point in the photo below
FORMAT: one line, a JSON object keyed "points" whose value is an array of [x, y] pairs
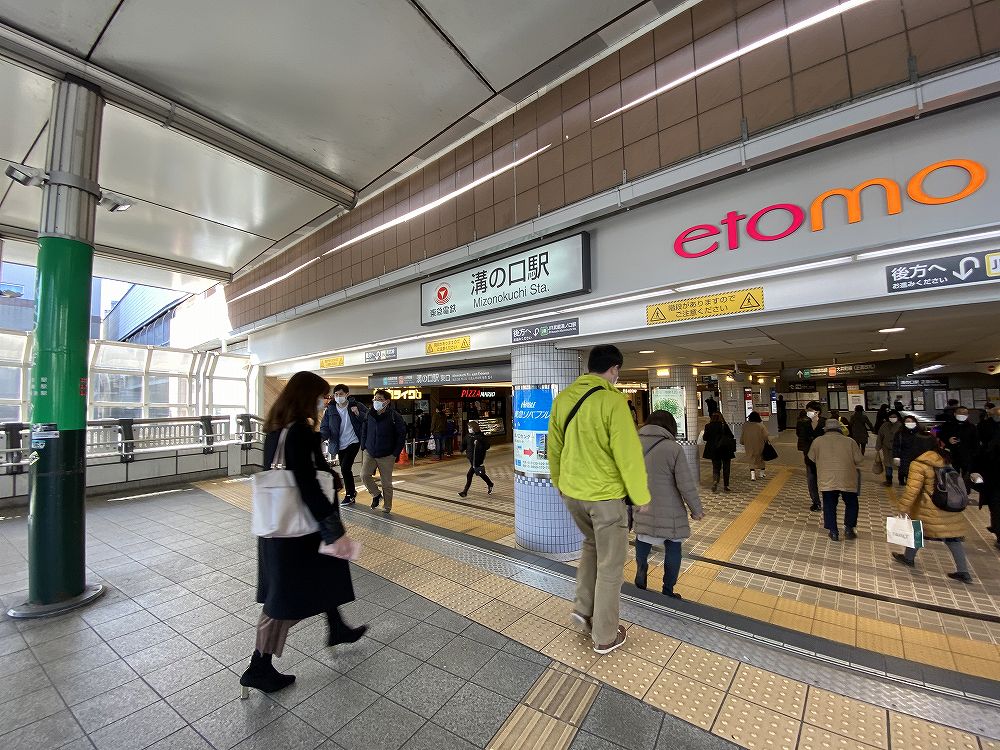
{"points": [[671, 564]]}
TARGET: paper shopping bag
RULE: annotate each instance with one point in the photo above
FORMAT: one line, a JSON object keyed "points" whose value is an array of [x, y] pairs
{"points": [[905, 531]]}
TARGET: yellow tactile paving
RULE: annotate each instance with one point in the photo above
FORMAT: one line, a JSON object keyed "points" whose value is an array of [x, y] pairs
{"points": [[798, 623], [816, 738], [554, 609], [734, 535], [880, 644], [754, 726], [563, 694], [528, 729], [690, 700], [533, 631], [464, 601], [769, 690], [908, 732], [525, 597], [652, 647], [491, 584], [848, 717], [497, 615], [573, 649], [705, 666], [627, 672]]}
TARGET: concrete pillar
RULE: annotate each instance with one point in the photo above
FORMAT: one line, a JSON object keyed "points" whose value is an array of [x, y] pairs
{"points": [[681, 376], [541, 521]]}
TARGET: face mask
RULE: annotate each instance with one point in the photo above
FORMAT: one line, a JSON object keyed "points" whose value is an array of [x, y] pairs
{"points": [[341, 400], [961, 417], [910, 425], [811, 414], [893, 420], [378, 405]]}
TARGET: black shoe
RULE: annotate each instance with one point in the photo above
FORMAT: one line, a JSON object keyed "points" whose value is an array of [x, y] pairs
{"points": [[490, 490], [715, 487], [850, 533], [835, 536], [261, 675], [349, 500], [463, 494], [726, 489], [672, 595], [901, 558], [640, 579], [815, 507], [963, 577], [887, 483], [387, 509], [376, 500], [348, 635]]}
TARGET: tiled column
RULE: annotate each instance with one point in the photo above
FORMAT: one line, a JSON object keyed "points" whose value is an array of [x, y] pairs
{"points": [[733, 406], [541, 521], [682, 376]]}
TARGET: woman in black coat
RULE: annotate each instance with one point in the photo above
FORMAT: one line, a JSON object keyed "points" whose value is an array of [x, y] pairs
{"points": [[476, 445], [720, 448], [294, 580]]}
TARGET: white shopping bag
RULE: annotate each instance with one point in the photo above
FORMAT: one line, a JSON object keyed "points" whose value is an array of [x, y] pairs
{"points": [[905, 531], [431, 445]]}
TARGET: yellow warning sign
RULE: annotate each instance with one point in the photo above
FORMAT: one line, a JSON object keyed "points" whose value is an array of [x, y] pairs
{"points": [[326, 362], [706, 306], [443, 346]]}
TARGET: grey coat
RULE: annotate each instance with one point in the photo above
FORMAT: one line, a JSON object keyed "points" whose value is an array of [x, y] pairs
{"points": [[673, 488]]}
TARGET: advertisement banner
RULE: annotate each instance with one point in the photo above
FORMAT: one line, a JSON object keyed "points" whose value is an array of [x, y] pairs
{"points": [[532, 406], [547, 272], [672, 400]]}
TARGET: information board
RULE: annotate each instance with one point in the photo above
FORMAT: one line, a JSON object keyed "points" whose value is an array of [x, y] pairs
{"points": [[532, 407], [672, 400]]}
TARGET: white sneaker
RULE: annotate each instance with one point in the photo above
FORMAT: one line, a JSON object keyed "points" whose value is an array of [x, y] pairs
{"points": [[753, 475], [580, 623]]}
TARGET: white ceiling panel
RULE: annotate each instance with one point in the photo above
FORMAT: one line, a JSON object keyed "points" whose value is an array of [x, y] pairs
{"points": [[506, 40], [349, 86], [143, 160], [73, 25], [27, 99]]}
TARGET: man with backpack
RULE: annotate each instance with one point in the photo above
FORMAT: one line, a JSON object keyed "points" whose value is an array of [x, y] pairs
{"points": [[596, 462], [935, 495]]}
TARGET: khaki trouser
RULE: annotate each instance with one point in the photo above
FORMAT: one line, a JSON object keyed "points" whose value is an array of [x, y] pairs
{"points": [[384, 465], [604, 525]]}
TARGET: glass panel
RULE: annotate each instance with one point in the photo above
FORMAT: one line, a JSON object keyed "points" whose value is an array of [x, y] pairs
{"points": [[229, 391], [12, 346], [117, 412], [10, 382], [156, 412], [165, 389], [105, 386], [121, 357], [10, 413], [232, 367], [164, 360]]}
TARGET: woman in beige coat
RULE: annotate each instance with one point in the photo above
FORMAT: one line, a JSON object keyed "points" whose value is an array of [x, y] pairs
{"points": [[939, 525], [754, 439]]}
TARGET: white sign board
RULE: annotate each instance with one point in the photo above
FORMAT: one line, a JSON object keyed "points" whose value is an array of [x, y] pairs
{"points": [[543, 273]]}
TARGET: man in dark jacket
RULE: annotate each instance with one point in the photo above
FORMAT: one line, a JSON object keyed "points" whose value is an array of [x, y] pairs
{"points": [[961, 438], [808, 429], [341, 427], [439, 426], [383, 436]]}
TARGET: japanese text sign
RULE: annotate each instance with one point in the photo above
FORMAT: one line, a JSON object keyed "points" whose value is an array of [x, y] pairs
{"points": [[970, 268], [444, 346], [532, 407], [706, 306]]}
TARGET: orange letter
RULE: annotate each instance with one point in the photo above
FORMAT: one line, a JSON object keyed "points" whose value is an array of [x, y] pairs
{"points": [[852, 197], [977, 176]]}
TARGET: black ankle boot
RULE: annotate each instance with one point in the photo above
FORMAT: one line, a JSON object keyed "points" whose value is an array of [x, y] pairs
{"points": [[261, 675], [640, 578], [345, 635]]}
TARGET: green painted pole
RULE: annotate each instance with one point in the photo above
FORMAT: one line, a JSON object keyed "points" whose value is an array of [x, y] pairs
{"points": [[58, 471]]}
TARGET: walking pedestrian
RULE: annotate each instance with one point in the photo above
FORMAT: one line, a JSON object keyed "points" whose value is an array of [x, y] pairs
{"points": [[476, 445], [807, 430], [720, 449], [988, 471], [837, 459], [884, 442], [859, 425], [674, 492], [596, 463], [383, 437], [341, 427], [961, 438], [754, 438], [910, 442], [881, 417], [439, 425], [782, 414], [295, 581]]}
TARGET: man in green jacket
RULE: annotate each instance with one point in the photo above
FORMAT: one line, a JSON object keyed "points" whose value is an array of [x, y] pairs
{"points": [[596, 462]]}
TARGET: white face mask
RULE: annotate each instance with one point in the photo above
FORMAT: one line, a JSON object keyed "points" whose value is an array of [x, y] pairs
{"points": [[341, 400], [910, 425], [961, 417], [811, 414], [378, 405], [894, 419]]}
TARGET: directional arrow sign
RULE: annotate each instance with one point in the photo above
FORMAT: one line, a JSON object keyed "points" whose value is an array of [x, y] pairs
{"points": [[528, 452], [969, 268]]}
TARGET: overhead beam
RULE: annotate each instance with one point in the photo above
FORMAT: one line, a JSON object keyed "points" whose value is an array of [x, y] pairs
{"points": [[11, 232], [43, 58]]}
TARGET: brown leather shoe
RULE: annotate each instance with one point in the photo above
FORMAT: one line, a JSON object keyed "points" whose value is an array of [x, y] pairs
{"points": [[618, 643]]}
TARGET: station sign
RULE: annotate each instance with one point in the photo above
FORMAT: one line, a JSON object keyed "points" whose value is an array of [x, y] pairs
{"points": [[706, 306], [328, 362], [543, 273], [445, 346], [381, 355], [952, 270], [488, 373], [555, 329]]}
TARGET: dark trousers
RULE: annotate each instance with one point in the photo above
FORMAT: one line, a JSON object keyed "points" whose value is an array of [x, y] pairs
{"points": [[813, 481], [830, 499], [346, 458], [476, 471], [671, 563], [721, 466], [862, 444], [439, 444]]}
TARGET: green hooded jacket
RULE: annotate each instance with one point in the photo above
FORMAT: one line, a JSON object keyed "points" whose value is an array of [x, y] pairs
{"points": [[600, 456]]}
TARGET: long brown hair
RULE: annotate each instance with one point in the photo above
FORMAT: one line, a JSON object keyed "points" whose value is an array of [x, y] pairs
{"points": [[717, 417], [297, 401]]}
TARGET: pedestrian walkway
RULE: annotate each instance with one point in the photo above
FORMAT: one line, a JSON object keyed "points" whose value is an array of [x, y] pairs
{"points": [[467, 648]]}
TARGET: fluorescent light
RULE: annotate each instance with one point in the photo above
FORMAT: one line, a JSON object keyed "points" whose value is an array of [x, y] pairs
{"points": [[891, 330], [782, 34], [928, 245], [706, 362], [927, 369], [765, 274], [880, 350], [274, 281], [647, 351]]}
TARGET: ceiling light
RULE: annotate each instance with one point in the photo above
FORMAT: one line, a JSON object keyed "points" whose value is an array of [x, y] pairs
{"points": [[927, 369], [114, 202], [880, 350], [694, 370], [24, 175], [765, 274], [890, 330], [929, 244], [706, 362], [782, 34], [646, 351]]}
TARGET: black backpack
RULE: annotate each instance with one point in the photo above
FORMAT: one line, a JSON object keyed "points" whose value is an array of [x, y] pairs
{"points": [[949, 489]]}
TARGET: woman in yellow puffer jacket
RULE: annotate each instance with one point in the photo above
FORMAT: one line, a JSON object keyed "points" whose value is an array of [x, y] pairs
{"points": [[939, 525]]}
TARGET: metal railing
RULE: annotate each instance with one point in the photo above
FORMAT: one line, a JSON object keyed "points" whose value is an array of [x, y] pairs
{"points": [[127, 438]]}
